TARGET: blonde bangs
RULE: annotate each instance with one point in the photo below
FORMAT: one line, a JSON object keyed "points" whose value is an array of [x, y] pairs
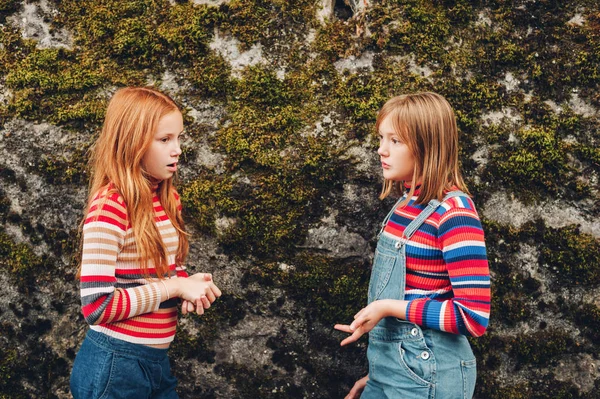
{"points": [[425, 122]]}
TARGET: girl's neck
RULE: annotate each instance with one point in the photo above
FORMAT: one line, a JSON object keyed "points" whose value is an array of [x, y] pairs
{"points": [[409, 184], [154, 184]]}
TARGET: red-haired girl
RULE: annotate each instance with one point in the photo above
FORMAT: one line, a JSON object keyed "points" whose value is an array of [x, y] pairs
{"points": [[133, 250]]}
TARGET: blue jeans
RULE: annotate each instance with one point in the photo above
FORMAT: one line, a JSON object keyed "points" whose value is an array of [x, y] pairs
{"points": [[107, 367]]}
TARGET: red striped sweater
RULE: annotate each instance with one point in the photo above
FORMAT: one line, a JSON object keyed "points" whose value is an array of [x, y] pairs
{"points": [[116, 298], [447, 274]]}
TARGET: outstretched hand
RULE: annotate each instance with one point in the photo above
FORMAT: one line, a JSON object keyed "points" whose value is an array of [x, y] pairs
{"points": [[364, 320]]}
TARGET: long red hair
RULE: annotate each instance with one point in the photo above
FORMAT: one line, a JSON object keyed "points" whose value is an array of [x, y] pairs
{"points": [[130, 123]]}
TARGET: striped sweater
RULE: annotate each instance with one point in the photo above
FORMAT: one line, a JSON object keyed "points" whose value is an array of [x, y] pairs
{"points": [[447, 274], [116, 298]]}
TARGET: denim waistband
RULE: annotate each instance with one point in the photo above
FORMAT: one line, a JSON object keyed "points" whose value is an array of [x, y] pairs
{"points": [[118, 345], [393, 329]]}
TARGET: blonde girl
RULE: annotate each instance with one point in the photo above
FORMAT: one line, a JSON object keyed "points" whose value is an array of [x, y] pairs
{"points": [[430, 282], [133, 250]]}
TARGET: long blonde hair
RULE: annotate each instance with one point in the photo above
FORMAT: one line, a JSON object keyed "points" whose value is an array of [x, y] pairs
{"points": [[425, 122], [131, 120]]}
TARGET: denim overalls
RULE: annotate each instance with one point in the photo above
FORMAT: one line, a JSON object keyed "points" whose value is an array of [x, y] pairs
{"points": [[405, 360]]}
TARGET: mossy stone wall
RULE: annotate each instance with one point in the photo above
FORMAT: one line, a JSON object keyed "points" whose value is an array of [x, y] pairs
{"points": [[280, 178]]}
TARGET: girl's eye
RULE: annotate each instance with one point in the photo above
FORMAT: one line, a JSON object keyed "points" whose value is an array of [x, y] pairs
{"points": [[164, 139], [395, 141]]}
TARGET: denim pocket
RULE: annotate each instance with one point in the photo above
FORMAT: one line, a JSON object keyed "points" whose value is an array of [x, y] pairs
{"points": [[132, 377], [380, 274], [417, 362], [469, 374], [91, 371]]}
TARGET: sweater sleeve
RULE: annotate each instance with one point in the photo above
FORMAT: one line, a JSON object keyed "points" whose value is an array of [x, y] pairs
{"points": [[104, 233], [467, 311]]}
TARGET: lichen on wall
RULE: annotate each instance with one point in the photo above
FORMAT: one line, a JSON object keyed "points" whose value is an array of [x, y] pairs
{"points": [[280, 178]]}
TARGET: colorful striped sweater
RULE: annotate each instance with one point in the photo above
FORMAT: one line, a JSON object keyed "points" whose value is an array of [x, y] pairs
{"points": [[447, 274], [116, 298]]}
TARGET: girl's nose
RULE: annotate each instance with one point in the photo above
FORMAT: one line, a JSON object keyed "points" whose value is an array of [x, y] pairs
{"points": [[177, 151], [382, 151]]}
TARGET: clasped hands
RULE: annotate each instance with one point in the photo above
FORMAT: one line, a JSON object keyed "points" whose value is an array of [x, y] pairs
{"points": [[197, 293]]}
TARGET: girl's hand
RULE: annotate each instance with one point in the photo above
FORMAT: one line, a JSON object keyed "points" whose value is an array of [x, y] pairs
{"points": [[357, 389], [189, 307], [198, 289], [365, 320]]}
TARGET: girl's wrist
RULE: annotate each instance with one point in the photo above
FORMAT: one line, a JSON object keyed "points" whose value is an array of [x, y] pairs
{"points": [[173, 286], [395, 308]]}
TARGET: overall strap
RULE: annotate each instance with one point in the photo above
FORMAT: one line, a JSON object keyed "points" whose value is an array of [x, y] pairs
{"points": [[389, 215], [428, 211]]}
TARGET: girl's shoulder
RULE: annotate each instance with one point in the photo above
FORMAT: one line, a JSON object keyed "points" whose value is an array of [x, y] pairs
{"points": [[108, 197], [461, 204]]}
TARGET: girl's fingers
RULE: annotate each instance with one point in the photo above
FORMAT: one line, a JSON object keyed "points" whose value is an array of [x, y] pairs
{"points": [[355, 336], [199, 310], [211, 297], [359, 313], [216, 291], [190, 307], [357, 323], [350, 339], [344, 328], [205, 302], [184, 307], [207, 277]]}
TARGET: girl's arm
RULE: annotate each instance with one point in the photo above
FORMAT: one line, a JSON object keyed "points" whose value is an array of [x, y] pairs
{"points": [[467, 311], [104, 235], [103, 239], [462, 242]]}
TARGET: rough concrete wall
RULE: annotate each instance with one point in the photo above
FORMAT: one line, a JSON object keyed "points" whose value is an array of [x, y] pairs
{"points": [[280, 177]]}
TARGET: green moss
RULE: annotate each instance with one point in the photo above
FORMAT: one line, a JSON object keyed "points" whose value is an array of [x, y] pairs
{"points": [[573, 256], [540, 347], [61, 169], [205, 197], [18, 260], [421, 28], [333, 290], [286, 171], [8, 6], [51, 84], [269, 22], [9, 376], [536, 161], [336, 39], [590, 155], [587, 317], [126, 33], [511, 289], [488, 387]]}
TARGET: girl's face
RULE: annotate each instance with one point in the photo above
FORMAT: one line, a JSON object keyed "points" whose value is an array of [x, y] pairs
{"points": [[160, 160], [397, 160]]}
